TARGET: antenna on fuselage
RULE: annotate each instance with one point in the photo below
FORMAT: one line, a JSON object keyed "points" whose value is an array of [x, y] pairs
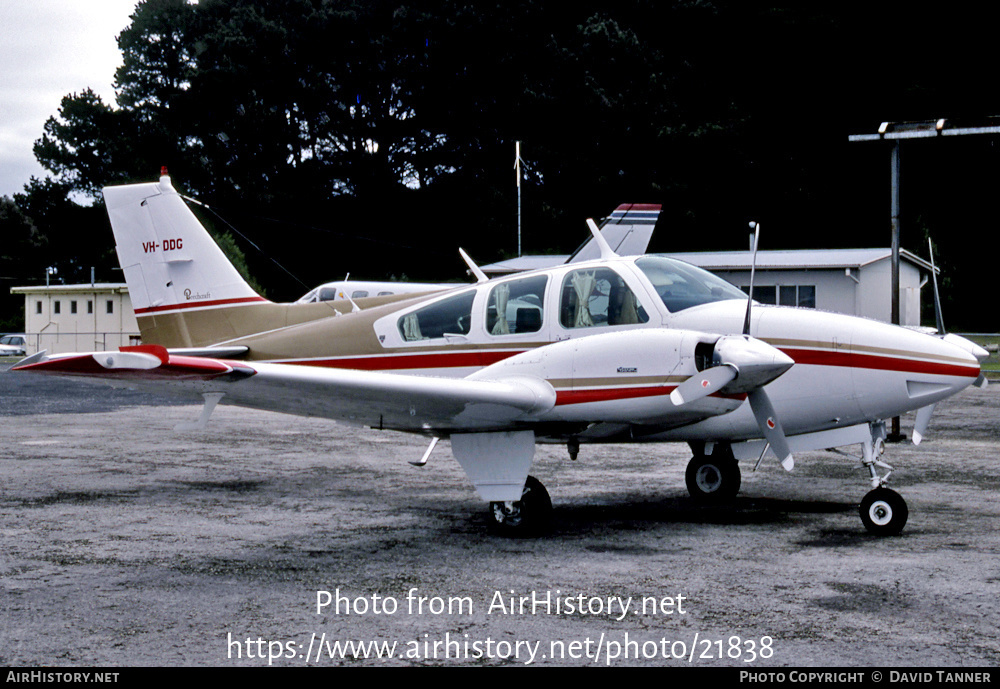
{"points": [[480, 275], [602, 243], [937, 297], [755, 226]]}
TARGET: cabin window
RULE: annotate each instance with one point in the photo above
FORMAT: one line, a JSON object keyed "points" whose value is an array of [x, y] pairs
{"points": [[516, 306], [452, 316], [597, 297], [328, 294], [681, 285], [359, 293]]}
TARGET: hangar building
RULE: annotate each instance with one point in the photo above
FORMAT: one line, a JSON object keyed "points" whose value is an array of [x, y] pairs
{"points": [[78, 318]]}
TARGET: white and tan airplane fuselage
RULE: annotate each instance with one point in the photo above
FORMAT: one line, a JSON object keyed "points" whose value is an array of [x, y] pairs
{"points": [[847, 370]]}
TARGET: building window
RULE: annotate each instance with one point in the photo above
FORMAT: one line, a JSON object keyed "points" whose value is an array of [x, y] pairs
{"points": [[72, 306], [90, 306], [111, 306], [807, 296], [56, 306], [785, 295], [38, 307]]}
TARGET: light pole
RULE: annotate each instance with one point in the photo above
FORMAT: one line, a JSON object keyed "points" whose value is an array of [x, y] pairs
{"points": [[895, 132]]}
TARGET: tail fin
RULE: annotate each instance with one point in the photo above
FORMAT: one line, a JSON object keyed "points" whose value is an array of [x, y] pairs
{"points": [[627, 232], [184, 290], [171, 263]]}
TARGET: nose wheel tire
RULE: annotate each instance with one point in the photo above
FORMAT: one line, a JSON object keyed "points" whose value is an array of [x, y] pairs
{"points": [[713, 477], [884, 512], [528, 516]]}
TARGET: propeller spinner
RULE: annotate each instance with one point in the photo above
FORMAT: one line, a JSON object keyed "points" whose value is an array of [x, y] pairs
{"points": [[744, 364]]}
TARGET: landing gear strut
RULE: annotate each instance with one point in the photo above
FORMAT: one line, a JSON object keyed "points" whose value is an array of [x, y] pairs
{"points": [[883, 511], [528, 516], [713, 477]]}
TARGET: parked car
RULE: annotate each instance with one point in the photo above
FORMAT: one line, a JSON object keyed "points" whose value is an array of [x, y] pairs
{"points": [[12, 345]]}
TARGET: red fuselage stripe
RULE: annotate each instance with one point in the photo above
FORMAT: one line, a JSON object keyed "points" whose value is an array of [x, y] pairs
{"points": [[197, 305], [608, 394], [878, 363]]}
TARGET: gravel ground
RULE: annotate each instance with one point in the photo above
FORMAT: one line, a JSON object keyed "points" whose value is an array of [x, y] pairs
{"points": [[124, 543]]}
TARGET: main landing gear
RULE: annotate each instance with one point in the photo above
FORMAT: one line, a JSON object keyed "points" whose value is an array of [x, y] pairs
{"points": [[714, 477], [528, 516]]}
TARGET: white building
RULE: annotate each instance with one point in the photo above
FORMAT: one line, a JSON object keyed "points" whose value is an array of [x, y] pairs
{"points": [[78, 318], [852, 281]]}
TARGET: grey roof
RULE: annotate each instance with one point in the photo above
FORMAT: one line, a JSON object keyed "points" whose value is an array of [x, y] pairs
{"points": [[523, 263], [797, 259], [62, 289]]}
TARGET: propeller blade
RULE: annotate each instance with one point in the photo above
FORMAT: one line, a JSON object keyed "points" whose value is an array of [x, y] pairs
{"points": [[770, 426], [920, 426], [703, 384]]}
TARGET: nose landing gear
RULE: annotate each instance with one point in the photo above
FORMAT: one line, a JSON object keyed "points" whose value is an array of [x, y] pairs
{"points": [[883, 511]]}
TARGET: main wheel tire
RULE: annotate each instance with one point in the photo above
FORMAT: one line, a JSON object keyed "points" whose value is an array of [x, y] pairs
{"points": [[528, 516], [883, 512], [713, 477]]}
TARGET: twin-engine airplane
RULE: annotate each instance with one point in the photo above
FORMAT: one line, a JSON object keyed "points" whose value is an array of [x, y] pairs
{"points": [[616, 349]]}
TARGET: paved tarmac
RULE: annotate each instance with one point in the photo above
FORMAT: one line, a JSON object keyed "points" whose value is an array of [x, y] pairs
{"points": [[268, 539]]}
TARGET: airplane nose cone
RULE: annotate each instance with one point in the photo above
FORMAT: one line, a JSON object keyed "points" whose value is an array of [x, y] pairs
{"points": [[969, 346]]}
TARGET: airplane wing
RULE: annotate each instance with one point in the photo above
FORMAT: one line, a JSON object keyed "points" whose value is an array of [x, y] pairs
{"points": [[491, 416], [381, 400]]}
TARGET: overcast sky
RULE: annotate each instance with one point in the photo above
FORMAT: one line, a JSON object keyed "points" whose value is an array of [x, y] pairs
{"points": [[48, 49]]}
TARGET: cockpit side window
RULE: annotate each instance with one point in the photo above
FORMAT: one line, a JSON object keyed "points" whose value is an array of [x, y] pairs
{"points": [[681, 285], [516, 306], [452, 316], [327, 294], [597, 297]]}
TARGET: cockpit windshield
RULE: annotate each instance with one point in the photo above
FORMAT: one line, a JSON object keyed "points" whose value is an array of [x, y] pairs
{"points": [[682, 285]]}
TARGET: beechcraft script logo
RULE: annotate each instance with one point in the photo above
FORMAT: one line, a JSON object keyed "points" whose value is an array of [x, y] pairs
{"points": [[189, 295]]}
